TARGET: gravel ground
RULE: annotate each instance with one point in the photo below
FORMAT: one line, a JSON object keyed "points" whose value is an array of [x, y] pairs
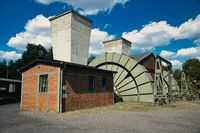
{"points": [[167, 120]]}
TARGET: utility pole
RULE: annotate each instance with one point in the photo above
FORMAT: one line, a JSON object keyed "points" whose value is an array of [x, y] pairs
{"points": [[7, 71]]}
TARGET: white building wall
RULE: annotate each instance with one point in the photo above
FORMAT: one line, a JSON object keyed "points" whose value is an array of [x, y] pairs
{"points": [[81, 31], [113, 47], [61, 38], [117, 46], [126, 49]]}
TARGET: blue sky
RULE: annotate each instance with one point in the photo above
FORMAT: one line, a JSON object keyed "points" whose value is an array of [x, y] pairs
{"points": [[170, 28]]}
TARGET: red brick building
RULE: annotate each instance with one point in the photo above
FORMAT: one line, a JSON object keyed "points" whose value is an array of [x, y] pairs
{"points": [[148, 60], [56, 86]]}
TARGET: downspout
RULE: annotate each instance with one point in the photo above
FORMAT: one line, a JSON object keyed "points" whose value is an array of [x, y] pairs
{"points": [[21, 92], [61, 86]]}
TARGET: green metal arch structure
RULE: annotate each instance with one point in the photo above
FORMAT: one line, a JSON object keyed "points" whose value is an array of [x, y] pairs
{"points": [[174, 84], [132, 82], [175, 88]]}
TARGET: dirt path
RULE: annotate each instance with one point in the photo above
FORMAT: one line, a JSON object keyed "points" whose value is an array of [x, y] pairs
{"points": [[110, 119]]}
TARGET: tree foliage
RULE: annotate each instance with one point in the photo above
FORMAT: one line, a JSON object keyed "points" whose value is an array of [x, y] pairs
{"points": [[177, 76], [10, 69], [192, 69], [3, 69], [35, 51]]}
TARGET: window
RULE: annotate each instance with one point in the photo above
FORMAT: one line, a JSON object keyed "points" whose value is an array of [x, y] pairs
{"points": [[91, 84], [43, 83], [11, 88], [103, 84]]}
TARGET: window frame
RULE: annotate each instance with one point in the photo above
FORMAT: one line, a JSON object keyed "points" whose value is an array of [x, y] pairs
{"points": [[104, 88], [12, 87], [93, 84], [43, 82]]}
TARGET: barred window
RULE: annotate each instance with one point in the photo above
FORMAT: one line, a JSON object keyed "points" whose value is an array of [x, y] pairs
{"points": [[43, 84], [104, 84], [11, 87], [91, 84]]}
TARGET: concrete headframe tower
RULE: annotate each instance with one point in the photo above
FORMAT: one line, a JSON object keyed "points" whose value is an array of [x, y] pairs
{"points": [[70, 33], [120, 45]]}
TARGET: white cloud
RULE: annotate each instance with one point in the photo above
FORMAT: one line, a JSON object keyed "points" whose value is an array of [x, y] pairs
{"points": [[197, 41], [190, 29], [167, 54], [37, 31], [88, 7], [176, 63], [151, 35], [189, 52], [192, 52], [11, 55], [198, 57], [160, 33], [97, 37]]}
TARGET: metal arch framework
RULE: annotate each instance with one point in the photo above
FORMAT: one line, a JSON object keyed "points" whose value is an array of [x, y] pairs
{"points": [[184, 85], [132, 81], [175, 86], [162, 86], [124, 69]]}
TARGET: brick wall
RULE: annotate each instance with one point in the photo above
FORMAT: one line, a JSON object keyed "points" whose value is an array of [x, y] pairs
{"points": [[76, 82], [149, 64], [34, 100], [78, 95]]}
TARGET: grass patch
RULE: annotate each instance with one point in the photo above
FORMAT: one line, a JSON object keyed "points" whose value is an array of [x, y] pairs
{"points": [[141, 106], [184, 105]]}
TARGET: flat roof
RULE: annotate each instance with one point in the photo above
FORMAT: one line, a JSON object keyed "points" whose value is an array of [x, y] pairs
{"points": [[123, 39], [60, 64], [70, 11], [10, 80]]}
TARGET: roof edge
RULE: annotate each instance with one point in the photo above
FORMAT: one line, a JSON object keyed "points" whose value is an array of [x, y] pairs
{"points": [[70, 11], [59, 64], [146, 55], [123, 39], [10, 80]]}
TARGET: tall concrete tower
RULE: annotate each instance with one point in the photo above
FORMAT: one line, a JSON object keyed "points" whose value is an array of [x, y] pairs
{"points": [[70, 33], [119, 45]]}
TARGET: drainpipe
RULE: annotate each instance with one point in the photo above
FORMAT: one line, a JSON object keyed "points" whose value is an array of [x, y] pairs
{"points": [[21, 91], [61, 86]]}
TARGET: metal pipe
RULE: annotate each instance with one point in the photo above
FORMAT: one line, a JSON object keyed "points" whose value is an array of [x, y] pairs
{"points": [[61, 86]]}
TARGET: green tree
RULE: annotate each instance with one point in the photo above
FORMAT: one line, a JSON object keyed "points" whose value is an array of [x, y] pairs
{"points": [[35, 51], [13, 70], [177, 76], [31, 53], [49, 54], [3, 69], [192, 68]]}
